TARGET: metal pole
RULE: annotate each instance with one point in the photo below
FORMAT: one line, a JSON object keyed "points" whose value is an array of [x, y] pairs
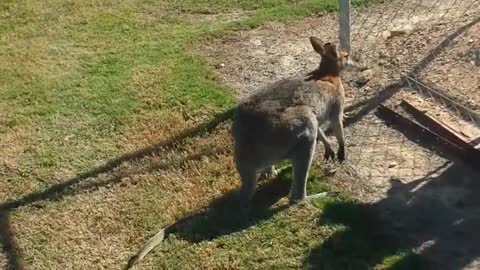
{"points": [[344, 21]]}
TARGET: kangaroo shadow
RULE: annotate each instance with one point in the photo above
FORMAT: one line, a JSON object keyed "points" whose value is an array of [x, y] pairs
{"points": [[223, 215], [429, 223]]}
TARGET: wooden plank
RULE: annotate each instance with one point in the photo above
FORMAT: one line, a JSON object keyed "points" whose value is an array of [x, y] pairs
{"points": [[438, 128], [459, 133], [425, 137], [414, 131]]}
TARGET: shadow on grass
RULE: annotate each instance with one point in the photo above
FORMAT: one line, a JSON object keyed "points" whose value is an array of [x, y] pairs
{"points": [[9, 244], [437, 216], [79, 183], [220, 218], [359, 241], [7, 237], [57, 191], [223, 216]]}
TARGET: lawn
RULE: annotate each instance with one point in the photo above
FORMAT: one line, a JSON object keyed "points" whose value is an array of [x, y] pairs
{"points": [[112, 126]]}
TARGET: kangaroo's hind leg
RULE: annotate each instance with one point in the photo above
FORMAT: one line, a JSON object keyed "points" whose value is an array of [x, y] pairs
{"points": [[301, 162], [248, 178]]}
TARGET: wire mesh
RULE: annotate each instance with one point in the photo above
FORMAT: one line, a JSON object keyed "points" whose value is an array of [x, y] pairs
{"points": [[428, 50]]}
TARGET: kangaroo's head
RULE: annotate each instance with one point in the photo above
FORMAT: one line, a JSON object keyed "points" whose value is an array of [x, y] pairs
{"points": [[333, 60]]}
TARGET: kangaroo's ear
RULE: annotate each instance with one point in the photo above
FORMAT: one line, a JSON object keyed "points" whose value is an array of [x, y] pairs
{"points": [[330, 50], [317, 45]]}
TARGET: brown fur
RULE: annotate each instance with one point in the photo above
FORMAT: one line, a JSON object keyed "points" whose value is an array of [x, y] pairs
{"points": [[282, 121]]}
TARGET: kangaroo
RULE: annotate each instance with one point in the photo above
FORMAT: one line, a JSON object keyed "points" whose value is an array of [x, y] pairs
{"points": [[282, 121]]}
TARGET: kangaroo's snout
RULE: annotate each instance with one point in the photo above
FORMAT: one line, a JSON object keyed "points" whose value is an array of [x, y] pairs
{"points": [[350, 63], [347, 62]]}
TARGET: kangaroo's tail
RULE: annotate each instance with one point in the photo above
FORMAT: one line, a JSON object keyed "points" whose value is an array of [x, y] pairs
{"points": [[151, 244]]}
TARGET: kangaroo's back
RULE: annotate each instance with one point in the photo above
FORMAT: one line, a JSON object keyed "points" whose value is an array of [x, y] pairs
{"points": [[273, 100], [259, 118], [281, 121], [271, 97]]}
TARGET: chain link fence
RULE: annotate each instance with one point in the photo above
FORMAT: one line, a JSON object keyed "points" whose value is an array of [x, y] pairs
{"points": [[420, 55]]}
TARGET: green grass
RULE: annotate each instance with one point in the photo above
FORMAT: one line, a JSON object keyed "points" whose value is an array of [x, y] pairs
{"points": [[219, 6], [74, 81], [83, 82], [286, 12]]}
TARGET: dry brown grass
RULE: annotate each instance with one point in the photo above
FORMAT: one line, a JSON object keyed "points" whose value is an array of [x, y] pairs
{"points": [[151, 192]]}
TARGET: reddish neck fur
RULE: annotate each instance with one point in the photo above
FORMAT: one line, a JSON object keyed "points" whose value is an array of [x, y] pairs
{"points": [[329, 71]]}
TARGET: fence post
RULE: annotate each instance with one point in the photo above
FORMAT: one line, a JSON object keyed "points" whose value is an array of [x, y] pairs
{"points": [[344, 22]]}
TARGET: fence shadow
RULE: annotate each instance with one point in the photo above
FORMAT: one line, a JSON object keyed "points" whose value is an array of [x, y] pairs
{"points": [[78, 183], [433, 215], [360, 244], [7, 237], [9, 244], [59, 190]]}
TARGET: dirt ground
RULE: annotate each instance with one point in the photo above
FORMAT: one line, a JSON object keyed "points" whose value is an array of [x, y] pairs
{"points": [[428, 199]]}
